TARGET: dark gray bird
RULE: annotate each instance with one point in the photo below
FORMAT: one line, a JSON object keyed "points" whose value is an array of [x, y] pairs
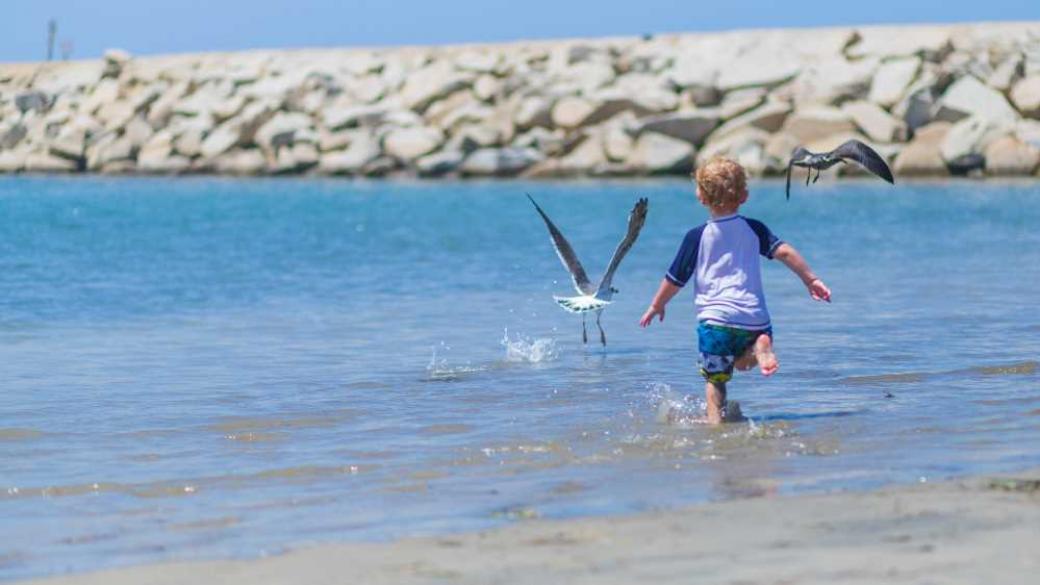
{"points": [[592, 298], [853, 150]]}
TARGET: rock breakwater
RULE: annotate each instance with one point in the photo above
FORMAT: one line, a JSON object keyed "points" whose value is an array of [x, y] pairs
{"points": [[936, 100]]}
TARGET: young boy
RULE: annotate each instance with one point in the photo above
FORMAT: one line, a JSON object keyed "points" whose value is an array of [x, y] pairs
{"points": [[721, 256]]}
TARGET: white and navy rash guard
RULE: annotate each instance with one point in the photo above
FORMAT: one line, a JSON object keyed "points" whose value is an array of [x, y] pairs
{"points": [[721, 257]]}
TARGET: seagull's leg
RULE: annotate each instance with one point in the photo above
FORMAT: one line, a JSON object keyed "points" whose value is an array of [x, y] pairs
{"points": [[817, 176], [807, 177], [584, 334], [602, 335]]}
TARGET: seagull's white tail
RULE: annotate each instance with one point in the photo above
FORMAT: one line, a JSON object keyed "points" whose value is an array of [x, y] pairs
{"points": [[582, 304]]}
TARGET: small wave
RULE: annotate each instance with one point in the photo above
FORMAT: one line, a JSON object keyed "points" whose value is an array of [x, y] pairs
{"points": [[525, 349]]}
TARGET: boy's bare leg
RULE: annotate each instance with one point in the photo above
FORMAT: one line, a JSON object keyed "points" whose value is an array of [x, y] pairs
{"points": [[715, 397], [763, 352]]}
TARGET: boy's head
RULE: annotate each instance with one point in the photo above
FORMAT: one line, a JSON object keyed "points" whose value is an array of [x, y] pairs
{"points": [[721, 185]]}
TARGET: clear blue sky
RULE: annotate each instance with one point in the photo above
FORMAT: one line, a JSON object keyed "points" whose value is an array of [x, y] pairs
{"points": [[164, 26]]}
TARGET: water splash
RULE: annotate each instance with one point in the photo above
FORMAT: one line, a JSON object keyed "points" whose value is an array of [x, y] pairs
{"points": [[438, 370], [525, 349], [674, 408]]}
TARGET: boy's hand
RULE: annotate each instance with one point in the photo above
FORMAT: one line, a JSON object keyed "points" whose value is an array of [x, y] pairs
{"points": [[819, 291], [648, 316]]}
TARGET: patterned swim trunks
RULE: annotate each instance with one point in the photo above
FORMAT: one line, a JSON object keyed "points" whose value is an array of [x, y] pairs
{"points": [[721, 346]]}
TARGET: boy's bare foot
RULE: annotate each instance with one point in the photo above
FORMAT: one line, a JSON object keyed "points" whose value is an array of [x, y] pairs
{"points": [[764, 354]]}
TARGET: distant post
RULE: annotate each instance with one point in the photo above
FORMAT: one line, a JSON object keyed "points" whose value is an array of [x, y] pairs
{"points": [[52, 31]]}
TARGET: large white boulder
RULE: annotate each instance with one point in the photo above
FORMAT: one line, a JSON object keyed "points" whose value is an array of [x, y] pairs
{"points": [[107, 150], [901, 41], [222, 139], [740, 101], [70, 143], [106, 91], [363, 149], [533, 111], [969, 138], [408, 144], [1006, 74], [831, 81], [549, 142], [138, 131], [158, 148], [12, 161], [339, 116], [584, 159], [1026, 96], [431, 83], [1009, 156], [241, 162], [584, 77], [922, 156], [439, 163], [768, 117], [970, 97], [43, 162], [817, 122], [459, 107], [875, 122], [655, 153], [892, 80], [572, 112], [1028, 131], [282, 129], [500, 161], [692, 71], [115, 115], [692, 126], [768, 70], [617, 143]]}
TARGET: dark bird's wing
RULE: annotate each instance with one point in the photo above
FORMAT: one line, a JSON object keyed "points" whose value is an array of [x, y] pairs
{"points": [[866, 156], [636, 219], [797, 155], [790, 167], [566, 254]]}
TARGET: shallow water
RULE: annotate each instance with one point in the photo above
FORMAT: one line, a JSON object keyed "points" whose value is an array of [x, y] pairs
{"points": [[198, 368]]}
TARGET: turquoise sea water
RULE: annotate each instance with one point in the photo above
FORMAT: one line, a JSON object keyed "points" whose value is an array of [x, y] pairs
{"points": [[200, 368]]}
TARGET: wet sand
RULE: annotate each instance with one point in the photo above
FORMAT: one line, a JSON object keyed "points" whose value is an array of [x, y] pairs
{"points": [[972, 530]]}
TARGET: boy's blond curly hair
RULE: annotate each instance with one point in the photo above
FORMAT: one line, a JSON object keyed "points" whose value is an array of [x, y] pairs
{"points": [[722, 182]]}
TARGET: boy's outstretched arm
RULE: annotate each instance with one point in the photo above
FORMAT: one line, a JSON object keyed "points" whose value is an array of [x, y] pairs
{"points": [[787, 254], [665, 292]]}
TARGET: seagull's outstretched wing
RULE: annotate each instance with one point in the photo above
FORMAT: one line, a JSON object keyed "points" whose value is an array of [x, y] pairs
{"points": [[636, 219], [566, 254], [866, 156], [796, 155]]}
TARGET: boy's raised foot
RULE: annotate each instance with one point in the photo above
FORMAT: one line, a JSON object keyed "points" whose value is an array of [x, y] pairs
{"points": [[764, 355]]}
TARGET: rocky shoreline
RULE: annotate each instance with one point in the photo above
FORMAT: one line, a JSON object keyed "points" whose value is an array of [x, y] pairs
{"points": [[936, 100]]}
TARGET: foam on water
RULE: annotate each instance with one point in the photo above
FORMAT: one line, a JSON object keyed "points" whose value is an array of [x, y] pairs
{"points": [[525, 349]]}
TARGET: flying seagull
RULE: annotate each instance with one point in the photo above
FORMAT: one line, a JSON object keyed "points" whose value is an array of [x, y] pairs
{"points": [[853, 150], [592, 298]]}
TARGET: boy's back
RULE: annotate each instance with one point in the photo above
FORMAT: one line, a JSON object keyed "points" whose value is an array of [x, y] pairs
{"points": [[722, 258]]}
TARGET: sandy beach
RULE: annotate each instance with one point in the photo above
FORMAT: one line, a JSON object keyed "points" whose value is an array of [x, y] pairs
{"points": [[963, 531]]}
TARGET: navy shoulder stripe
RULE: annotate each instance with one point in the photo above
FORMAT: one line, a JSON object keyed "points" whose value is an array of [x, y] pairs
{"points": [[767, 240], [685, 262]]}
